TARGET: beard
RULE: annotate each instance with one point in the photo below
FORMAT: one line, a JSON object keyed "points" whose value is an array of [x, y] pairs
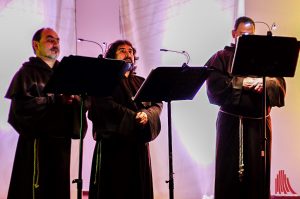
{"points": [[52, 53], [52, 56]]}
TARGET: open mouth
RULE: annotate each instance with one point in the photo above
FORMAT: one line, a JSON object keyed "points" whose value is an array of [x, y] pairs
{"points": [[128, 60], [55, 50]]}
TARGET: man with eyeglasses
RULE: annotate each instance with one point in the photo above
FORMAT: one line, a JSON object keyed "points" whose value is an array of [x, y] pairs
{"points": [[240, 170]]}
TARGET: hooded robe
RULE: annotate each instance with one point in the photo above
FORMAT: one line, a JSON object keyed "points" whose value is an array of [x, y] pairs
{"points": [[121, 167], [241, 111], [45, 126]]}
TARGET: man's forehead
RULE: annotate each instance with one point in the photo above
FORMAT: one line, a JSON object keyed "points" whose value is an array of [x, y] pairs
{"points": [[51, 37], [125, 46], [49, 33]]}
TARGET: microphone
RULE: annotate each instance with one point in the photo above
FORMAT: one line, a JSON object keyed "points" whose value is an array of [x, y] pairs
{"points": [[102, 51], [270, 28], [186, 54], [128, 66]]}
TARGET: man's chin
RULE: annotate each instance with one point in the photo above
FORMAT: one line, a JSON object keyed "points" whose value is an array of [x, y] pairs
{"points": [[53, 57]]}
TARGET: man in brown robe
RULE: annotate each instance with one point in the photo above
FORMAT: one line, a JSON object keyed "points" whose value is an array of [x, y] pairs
{"points": [[45, 123], [121, 167], [242, 169]]}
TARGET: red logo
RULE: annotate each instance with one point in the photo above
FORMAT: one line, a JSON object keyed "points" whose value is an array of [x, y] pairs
{"points": [[283, 187]]}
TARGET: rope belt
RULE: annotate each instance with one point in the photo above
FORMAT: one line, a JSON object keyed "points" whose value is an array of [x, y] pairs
{"points": [[98, 161], [35, 177], [241, 140]]}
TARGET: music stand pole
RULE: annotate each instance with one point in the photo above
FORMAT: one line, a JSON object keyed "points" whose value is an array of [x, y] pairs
{"points": [[80, 75], [79, 180], [171, 179], [265, 56], [168, 84], [264, 152]]}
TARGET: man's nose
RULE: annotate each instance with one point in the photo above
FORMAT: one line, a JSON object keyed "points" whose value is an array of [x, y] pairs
{"points": [[127, 53], [55, 42]]}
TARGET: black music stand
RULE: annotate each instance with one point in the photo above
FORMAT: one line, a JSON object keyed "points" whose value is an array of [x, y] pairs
{"points": [[262, 56], [169, 84], [85, 76]]}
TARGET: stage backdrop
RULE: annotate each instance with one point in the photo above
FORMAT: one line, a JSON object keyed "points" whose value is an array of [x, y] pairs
{"points": [[197, 27]]}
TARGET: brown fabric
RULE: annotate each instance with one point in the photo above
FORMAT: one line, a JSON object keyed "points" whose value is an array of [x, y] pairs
{"points": [[225, 91], [38, 116], [124, 168]]}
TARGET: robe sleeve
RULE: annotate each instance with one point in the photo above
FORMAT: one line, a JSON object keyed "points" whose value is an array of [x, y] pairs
{"points": [[152, 129], [276, 90], [36, 114], [222, 88], [111, 119]]}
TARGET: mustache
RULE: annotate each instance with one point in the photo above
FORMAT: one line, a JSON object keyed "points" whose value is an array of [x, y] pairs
{"points": [[54, 48], [128, 60]]}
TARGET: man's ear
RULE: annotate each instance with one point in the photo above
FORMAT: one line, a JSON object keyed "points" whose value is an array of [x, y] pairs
{"points": [[35, 45], [233, 33]]}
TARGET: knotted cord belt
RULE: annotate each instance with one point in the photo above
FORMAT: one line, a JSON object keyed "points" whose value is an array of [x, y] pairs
{"points": [[241, 139], [98, 160], [36, 171]]}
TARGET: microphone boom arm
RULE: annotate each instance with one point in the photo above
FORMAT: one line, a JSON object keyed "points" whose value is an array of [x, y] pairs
{"points": [[186, 54], [80, 39]]}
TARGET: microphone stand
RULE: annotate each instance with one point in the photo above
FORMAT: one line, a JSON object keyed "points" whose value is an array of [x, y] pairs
{"points": [[264, 150], [79, 180], [100, 56], [186, 54], [264, 154], [171, 172]]}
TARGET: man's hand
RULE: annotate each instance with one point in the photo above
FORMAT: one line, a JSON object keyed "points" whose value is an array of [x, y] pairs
{"points": [[255, 84], [141, 118], [67, 99]]}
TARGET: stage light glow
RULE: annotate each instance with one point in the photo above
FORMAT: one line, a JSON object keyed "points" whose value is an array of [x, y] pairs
{"points": [[18, 27]]}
